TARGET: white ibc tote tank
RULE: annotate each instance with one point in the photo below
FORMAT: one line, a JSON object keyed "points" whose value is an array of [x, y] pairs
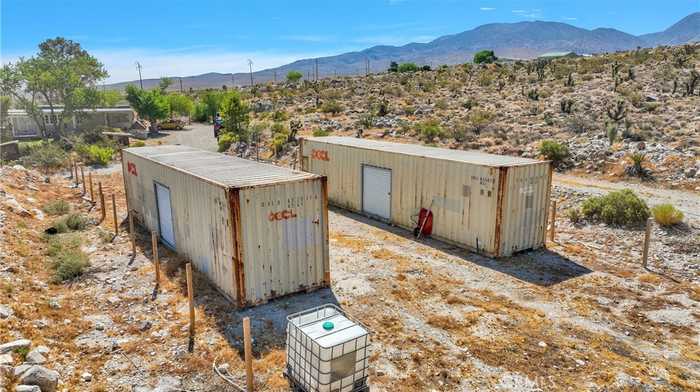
{"points": [[327, 351]]}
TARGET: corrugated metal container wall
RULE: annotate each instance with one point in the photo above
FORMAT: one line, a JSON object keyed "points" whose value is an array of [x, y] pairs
{"points": [[284, 255], [463, 196], [200, 214], [257, 231]]}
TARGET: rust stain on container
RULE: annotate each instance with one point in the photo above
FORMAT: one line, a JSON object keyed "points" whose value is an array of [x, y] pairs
{"points": [[238, 270], [502, 175]]}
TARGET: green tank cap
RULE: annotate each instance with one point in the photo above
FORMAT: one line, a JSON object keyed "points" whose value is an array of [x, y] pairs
{"points": [[328, 325]]}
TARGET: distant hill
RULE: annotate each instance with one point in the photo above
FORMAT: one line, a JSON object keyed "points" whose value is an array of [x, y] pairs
{"points": [[522, 40]]}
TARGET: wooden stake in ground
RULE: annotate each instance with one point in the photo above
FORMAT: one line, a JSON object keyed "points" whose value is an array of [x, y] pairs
{"points": [[647, 240], [156, 261], [102, 202], [190, 299], [92, 192], [552, 225], [82, 176], [75, 167], [248, 351], [132, 234], [114, 214]]}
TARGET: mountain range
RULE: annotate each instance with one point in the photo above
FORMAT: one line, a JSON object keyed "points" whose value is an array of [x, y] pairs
{"points": [[521, 40]]}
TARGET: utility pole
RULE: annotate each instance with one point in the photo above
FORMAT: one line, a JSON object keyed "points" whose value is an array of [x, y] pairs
{"points": [[233, 81], [180, 85], [138, 66], [366, 67], [316, 63], [275, 76], [250, 66]]}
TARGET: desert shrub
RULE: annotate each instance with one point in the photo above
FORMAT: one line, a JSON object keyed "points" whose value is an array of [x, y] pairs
{"points": [[280, 115], [484, 57], [279, 142], [320, 132], [480, 119], [225, 141], [94, 154], [616, 208], [45, 155], [428, 130], [200, 112], [409, 109], [74, 221], [67, 259], [408, 67], [56, 207], [554, 151], [332, 106], [636, 165], [441, 104], [138, 143], [666, 214], [574, 215], [578, 124]]}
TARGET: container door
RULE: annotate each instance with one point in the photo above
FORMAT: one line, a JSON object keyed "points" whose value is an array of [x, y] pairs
{"points": [[376, 191], [165, 216]]}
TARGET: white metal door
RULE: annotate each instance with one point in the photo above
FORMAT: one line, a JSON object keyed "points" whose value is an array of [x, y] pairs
{"points": [[376, 191], [165, 216]]}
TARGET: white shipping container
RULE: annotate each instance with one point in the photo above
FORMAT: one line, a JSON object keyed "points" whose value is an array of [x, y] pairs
{"points": [[257, 231], [492, 204]]}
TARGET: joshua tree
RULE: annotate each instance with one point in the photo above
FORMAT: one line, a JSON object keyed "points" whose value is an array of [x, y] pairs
{"points": [[615, 69], [618, 111], [566, 105], [533, 94], [693, 79], [569, 80], [630, 74]]}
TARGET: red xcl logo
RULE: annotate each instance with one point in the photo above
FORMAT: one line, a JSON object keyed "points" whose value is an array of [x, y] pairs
{"points": [[131, 168], [281, 215], [320, 155]]}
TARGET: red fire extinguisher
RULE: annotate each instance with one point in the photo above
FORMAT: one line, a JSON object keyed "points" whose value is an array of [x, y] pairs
{"points": [[425, 223]]}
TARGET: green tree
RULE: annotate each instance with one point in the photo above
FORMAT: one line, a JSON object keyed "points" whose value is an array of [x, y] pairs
{"points": [[62, 75], [212, 100], [180, 104], [485, 57], [393, 67], [110, 98], [151, 105], [294, 76], [408, 67], [4, 107], [164, 83], [235, 114]]}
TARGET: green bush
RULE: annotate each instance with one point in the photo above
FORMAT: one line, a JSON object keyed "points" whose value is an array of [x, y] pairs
{"points": [[485, 57], [574, 215], [408, 67], [56, 207], [428, 130], [666, 214], [279, 141], [200, 112], [226, 140], [554, 151], [70, 222], [616, 208], [67, 259], [138, 143], [94, 154], [45, 155], [332, 106], [320, 132], [69, 264]]}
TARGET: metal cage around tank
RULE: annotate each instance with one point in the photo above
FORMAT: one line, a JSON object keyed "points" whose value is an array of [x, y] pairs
{"points": [[327, 360]]}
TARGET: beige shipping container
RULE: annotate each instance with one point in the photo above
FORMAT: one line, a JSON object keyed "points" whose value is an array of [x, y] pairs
{"points": [[256, 230], [492, 204]]}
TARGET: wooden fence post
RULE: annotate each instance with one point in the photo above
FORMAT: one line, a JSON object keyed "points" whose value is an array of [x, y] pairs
{"points": [[102, 202], [92, 192], [248, 351], [70, 163], [132, 234], [553, 223], [190, 299], [77, 180], [82, 176], [114, 214], [156, 261], [647, 240]]}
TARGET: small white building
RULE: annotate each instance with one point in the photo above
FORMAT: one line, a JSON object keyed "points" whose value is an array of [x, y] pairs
{"points": [[24, 126]]}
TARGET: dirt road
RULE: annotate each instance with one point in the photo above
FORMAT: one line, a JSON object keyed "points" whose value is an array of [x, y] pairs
{"points": [[196, 135]]}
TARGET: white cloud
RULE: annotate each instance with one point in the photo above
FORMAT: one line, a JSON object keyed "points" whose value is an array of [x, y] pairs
{"points": [[569, 18], [518, 11], [533, 13], [308, 38], [487, 9]]}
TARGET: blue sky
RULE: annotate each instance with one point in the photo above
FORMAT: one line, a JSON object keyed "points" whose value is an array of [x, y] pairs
{"points": [[178, 37]]}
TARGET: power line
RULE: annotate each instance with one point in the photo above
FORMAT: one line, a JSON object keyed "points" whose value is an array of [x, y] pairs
{"points": [[250, 65]]}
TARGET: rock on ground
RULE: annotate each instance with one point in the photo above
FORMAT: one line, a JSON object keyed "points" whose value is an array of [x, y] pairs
{"points": [[44, 378], [12, 346]]}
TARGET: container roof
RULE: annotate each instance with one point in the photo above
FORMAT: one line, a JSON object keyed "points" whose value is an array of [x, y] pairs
{"points": [[466, 156], [220, 169]]}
